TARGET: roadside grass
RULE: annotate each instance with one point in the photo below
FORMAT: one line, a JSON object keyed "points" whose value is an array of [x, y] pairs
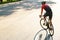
{"points": [[5, 1]]}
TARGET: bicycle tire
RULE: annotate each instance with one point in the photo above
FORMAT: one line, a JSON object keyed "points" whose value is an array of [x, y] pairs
{"points": [[51, 31], [42, 24]]}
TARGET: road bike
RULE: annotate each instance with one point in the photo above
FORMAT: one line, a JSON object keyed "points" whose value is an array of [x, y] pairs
{"points": [[46, 33], [47, 25]]}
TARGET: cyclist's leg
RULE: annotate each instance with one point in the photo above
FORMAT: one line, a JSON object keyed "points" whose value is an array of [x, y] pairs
{"points": [[44, 18], [45, 15], [50, 22], [50, 19]]}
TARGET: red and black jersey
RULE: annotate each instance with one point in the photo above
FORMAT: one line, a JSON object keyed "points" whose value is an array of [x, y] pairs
{"points": [[46, 8]]}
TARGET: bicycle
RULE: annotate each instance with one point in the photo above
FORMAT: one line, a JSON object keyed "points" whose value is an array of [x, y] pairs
{"points": [[43, 33], [47, 25]]}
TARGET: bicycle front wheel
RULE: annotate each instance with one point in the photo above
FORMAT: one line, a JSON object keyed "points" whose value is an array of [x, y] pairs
{"points": [[41, 23]]}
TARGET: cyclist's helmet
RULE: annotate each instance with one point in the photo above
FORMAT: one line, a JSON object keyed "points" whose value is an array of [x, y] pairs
{"points": [[43, 2]]}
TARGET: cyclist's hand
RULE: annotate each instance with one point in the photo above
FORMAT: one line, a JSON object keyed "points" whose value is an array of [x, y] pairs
{"points": [[40, 16]]}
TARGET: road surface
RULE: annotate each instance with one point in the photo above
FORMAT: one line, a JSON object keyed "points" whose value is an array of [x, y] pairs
{"points": [[21, 22]]}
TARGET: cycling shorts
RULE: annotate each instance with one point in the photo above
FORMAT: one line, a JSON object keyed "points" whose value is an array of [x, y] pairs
{"points": [[48, 14]]}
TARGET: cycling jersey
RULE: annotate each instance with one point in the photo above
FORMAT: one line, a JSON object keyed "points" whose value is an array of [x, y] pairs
{"points": [[48, 11], [46, 8]]}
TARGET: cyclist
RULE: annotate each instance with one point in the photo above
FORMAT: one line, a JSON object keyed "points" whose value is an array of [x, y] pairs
{"points": [[48, 12]]}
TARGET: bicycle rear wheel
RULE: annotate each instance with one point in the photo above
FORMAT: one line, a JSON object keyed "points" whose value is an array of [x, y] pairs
{"points": [[51, 31], [41, 23]]}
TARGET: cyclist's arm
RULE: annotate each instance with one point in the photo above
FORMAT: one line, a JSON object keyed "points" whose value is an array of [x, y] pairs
{"points": [[41, 10]]}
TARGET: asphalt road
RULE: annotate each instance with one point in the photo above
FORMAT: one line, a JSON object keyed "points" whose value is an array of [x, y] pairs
{"points": [[20, 21]]}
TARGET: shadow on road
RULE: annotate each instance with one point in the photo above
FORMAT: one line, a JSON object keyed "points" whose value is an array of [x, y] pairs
{"points": [[43, 35], [40, 35], [48, 37], [28, 5]]}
